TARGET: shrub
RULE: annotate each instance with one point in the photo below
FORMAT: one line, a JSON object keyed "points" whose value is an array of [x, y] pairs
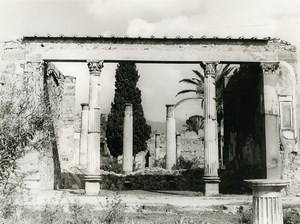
{"points": [[291, 216], [80, 214], [115, 210]]}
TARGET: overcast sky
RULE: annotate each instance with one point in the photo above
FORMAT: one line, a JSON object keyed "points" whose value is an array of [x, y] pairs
{"points": [[159, 83]]}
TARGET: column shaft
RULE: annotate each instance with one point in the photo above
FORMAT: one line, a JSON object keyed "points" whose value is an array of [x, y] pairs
{"points": [[83, 136], [128, 139], [171, 138], [92, 180], [157, 136], [211, 158], [267, 206], [93, 155]]}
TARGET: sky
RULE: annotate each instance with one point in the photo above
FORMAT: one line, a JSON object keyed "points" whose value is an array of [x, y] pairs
{"points": [[158, 83]]}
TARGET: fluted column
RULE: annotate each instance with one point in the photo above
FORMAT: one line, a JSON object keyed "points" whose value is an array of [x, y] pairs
{"points": [[211, 163], [83, 136], [157, 142], [171, 137], [266, 205], [94, 115], [128, 139]]}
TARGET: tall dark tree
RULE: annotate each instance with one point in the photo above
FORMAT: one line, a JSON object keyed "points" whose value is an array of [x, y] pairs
{"points": [[126, 91]]}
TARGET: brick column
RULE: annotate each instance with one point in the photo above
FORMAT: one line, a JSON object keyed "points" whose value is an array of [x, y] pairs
{"points": [[92, 180], [83, 135], [128, 139], [266, 205], [171, 137], [211, 163]]}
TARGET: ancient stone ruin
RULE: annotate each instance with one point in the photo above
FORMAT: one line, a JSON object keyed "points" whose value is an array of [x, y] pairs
{"points": [[261, 126]]}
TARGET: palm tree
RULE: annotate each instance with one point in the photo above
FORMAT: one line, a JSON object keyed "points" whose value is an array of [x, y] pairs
{"points": [[198, 85], [194, 123]]}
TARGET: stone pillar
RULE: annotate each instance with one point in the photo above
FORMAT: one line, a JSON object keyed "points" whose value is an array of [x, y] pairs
{"points": [[157, 149], [211, 158], [83, 135], [267, 206], [271, 113], [178, 152], [171, 137], [128, 139], [92, 180]]}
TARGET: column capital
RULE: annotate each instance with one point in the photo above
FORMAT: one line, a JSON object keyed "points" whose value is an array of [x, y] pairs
{"points": [[269, 66], [84, 106], [95, 67], [170, 110], [209, 67]]}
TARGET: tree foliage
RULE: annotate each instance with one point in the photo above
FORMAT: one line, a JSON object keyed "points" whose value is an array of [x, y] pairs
{"points": [[126, 92], [194, 123], [197, 83], [23, 126]]}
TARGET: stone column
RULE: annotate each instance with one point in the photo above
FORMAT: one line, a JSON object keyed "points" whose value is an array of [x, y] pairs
{"points": [[157, 149], [92, 180], [211, 159], [267, 206], [128, 139], [171, 137], [83, 135], [271, 113], [178, 151]]}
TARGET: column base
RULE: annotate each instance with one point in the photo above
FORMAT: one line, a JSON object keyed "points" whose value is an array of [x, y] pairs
{"points": [[92, 184], [267, 206], [211, 185]]}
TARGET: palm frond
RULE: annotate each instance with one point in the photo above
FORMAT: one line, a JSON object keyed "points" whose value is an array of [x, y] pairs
{"points": [[199, 74], [202, 65], [187, 91], [226, 70], [189, 81], [188, 99]]}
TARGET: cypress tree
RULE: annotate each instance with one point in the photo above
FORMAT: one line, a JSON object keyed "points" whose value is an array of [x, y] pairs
{"points": [[126, 91]]}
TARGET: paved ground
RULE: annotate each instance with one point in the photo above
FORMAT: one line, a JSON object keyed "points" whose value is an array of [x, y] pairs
{"points": [[136, 199]]}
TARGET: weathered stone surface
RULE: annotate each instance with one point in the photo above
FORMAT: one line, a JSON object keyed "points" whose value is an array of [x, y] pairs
{"points": [[157, 50], [189, 145]]}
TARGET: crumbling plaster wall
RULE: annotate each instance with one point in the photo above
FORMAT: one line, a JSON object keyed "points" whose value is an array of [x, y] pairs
{"points": [[190, 146], [62, 101]]}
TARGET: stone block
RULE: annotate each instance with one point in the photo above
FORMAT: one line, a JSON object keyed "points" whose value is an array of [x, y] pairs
{"points": [[92, 188], [211, 189]]}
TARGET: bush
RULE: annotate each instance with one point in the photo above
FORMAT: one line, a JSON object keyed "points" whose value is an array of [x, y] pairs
{"points": [[291, 216], [115, 210]]}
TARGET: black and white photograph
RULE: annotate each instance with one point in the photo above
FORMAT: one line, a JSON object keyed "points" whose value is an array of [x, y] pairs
{"points": [[149, 112]]}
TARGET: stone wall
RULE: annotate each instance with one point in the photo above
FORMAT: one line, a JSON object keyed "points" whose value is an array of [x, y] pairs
{"points": [[189, 146], [252, 113], [62, 101]]}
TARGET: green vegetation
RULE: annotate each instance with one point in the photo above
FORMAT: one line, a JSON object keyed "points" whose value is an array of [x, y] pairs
{"points": [[126, 92], [194, 123]]}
